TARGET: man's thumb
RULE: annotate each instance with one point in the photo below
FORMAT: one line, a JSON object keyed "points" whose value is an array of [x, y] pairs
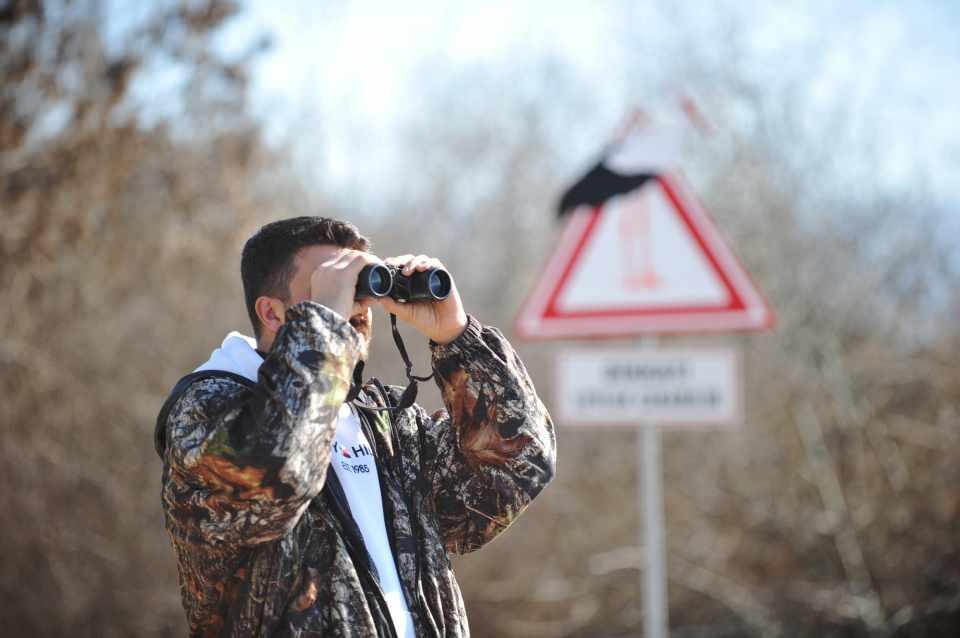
{"points": [[394, 307]]}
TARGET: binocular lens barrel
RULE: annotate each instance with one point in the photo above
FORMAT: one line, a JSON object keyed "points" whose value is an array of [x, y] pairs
{"points": [[378, 280], [438, 282], [375, 280]]}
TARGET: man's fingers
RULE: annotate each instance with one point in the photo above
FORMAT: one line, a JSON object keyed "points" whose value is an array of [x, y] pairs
{"points": [[355, 261], [430, 263], [419, 263], [410, 263], [393, 307], [398, 261]]}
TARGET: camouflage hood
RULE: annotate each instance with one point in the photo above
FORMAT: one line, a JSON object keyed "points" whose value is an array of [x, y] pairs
{"points": [[265, 542]]}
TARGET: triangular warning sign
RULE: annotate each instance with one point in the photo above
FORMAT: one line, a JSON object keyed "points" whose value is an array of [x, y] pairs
{"points": [[648, 261]]}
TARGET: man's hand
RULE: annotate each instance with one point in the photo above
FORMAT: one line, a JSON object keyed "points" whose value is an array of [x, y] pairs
{"points": [[334, 282], [441, 321]]}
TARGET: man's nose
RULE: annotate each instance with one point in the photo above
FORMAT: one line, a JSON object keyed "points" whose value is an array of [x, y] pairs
{"points": [[360, 305]]}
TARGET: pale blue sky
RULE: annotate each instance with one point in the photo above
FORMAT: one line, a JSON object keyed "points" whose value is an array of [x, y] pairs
{"points": [[343, 71], [343, 78]]}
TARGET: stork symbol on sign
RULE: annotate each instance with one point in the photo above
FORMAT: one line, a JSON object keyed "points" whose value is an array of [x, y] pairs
{"points": [[636, 249]]}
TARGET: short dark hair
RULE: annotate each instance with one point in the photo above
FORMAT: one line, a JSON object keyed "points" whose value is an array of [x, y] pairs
{"points": [[268, 260]]}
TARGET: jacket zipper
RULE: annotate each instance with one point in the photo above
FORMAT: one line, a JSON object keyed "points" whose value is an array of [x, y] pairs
{"points": [[388, 513], [356, 547]]}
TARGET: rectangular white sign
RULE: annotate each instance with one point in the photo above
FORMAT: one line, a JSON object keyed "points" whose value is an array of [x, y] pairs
{"points": [[649, 386]]}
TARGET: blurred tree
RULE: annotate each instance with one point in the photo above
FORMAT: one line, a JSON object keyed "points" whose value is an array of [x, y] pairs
{"points": [[117, 215]]}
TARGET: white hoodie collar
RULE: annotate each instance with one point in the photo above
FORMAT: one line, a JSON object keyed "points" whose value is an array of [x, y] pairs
{"points": [[237, 354]]}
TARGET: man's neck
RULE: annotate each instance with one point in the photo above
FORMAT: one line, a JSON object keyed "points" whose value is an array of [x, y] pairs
{"points": [[264, 343]]}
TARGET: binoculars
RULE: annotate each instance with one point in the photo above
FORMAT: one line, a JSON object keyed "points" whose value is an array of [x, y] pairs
{"points": [[382, 280]]}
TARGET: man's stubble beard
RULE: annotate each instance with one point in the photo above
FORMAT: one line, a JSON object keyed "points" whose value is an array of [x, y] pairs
{"points": [[364, 327]]}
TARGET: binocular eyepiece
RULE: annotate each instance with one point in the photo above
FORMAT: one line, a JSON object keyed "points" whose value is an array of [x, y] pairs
{"points": [[382, 280]]}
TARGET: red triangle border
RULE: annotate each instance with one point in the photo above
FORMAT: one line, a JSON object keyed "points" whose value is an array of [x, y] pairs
{"points": [[747, 310]]}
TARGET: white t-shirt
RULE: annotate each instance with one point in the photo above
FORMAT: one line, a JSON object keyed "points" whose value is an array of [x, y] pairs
{"points": [[354, 464]]}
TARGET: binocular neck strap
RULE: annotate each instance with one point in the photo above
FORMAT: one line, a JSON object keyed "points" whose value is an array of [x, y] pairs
{"points": [[397, 339], [357, 382], [410, 392]]}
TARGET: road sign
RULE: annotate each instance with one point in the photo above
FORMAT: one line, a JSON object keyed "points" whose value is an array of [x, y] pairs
{"points": [[639, 257], [648, 261], [643, 386]]}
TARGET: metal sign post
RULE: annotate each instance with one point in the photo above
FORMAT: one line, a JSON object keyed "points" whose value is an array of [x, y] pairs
{"points": [[650, 492], [655, 574]]}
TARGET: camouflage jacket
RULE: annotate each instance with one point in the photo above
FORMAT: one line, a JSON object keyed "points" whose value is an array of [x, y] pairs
{"points": [[264, 539]]}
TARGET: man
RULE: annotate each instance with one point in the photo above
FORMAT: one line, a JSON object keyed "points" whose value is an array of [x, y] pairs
{"points": [[269, 540]]}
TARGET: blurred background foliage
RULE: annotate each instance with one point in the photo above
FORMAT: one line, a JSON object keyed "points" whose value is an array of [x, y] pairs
{"points": [[833, 511]]}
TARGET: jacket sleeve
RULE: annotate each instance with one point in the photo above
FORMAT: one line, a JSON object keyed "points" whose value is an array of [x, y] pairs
{"points": [[494, 448], [243, 464]]}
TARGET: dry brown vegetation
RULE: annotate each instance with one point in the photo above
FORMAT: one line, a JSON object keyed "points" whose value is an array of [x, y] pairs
{"points": [[832, 512]]}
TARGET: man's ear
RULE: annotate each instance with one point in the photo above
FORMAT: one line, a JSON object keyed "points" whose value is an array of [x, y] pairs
{"points": [[270, 312]]}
